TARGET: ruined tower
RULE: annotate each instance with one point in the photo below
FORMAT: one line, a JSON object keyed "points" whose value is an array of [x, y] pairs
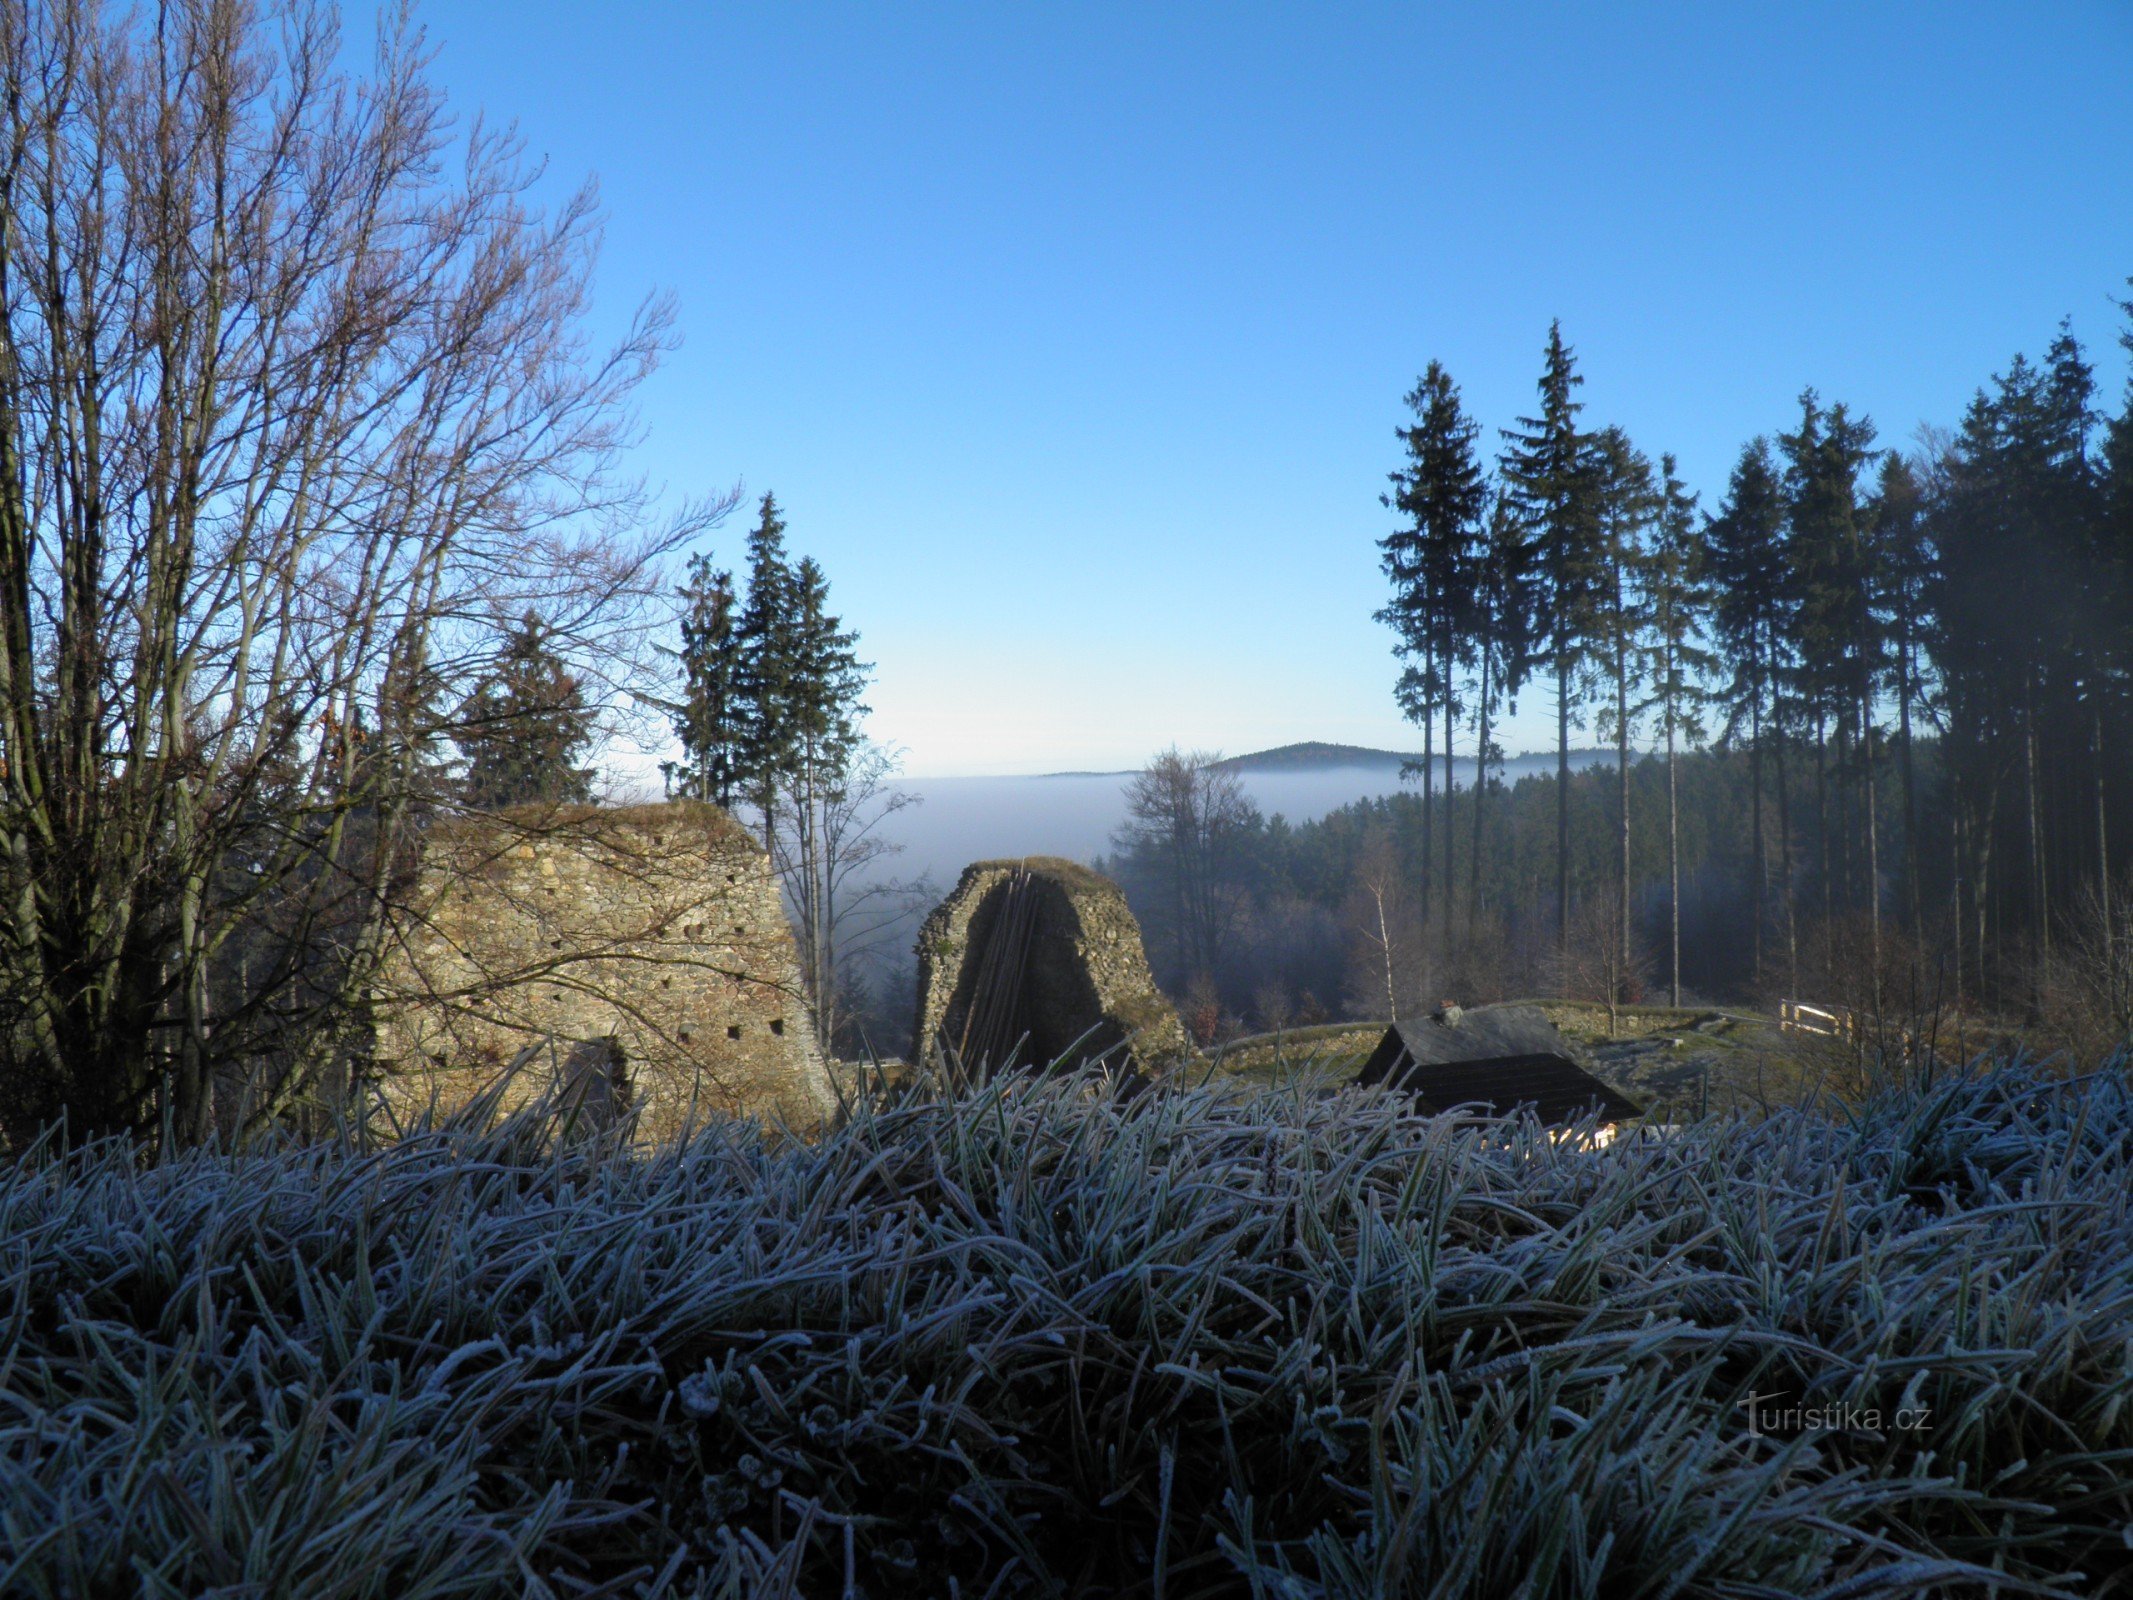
{"points": [[641, 952], [1034, 959]]}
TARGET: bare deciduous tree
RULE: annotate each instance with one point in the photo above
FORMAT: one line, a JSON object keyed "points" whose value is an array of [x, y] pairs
{"points": [[1390, 967], [294, 405], [830, 853], [1185, 812]]}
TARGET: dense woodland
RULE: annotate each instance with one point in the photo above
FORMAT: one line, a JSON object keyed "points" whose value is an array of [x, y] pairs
{"points": [[1868, 709]]}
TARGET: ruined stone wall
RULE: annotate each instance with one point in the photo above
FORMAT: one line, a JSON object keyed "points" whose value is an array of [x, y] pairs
{"points": [[1080, 965], [643, 950]]}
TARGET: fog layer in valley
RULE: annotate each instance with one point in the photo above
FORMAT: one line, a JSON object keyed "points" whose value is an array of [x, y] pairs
{"points": [[962, 820]]}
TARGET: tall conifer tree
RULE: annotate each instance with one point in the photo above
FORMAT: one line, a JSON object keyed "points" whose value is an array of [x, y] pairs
{"points": [[1548, 475], [1677, 665], [1834, 633], [1748, 566], [1433, 562], [823, 708], [709, 719], [1618, 621], [1503, 621], [766, 669], [1903, 565], [524, 726]]}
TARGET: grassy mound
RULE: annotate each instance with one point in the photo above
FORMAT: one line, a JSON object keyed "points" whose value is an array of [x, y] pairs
{"points": [[1216, 1342]]}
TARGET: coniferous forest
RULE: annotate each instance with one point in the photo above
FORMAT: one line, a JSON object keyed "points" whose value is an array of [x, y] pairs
{"points": [[1865, 712]]}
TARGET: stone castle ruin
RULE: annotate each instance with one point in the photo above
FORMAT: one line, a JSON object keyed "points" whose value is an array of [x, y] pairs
{"points": [[636, 958], [1028, 960]]}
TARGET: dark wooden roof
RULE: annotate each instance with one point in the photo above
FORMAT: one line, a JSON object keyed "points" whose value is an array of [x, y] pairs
{"points": [[1485, 1034], [1556, 1089]]}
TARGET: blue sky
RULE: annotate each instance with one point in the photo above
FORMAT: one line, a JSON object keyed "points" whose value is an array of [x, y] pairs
{"points": [[1072, 337]]}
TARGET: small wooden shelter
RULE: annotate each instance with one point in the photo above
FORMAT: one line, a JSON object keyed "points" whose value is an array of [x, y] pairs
{"points": [[1497, 1061]]}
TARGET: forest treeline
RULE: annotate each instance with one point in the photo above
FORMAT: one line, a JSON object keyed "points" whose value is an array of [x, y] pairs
{"points": [[1869, 710]]}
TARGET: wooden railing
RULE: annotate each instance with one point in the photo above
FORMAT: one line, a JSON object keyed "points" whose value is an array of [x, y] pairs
{"points": [[1797, 1016]]}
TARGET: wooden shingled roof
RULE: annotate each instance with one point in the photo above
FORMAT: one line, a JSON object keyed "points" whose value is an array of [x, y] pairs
{"points": [[1465, 1063]]}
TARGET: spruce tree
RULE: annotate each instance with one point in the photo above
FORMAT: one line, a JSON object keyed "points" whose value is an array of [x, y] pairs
{"points": [[524, 726], [823, 708], [1748, 566], [766, 669], [2114, 509], [1432, 561], [1548, 474], [1835, 636], [1903, 566], [1617, 623], [1677, 665], [2016, 527], [2083, 666], [709, 719], [2113, 572], [1502, 626]]}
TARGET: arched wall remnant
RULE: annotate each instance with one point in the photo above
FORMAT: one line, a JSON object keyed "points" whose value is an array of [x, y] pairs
{"points": [[648, 938], [1027, 960]]}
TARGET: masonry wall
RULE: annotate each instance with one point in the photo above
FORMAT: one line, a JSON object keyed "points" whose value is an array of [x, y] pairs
{"points": [[1084, 974], [644, 952]]}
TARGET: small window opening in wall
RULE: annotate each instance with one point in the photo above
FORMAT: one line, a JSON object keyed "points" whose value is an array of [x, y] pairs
{"points": [[555, 944], [733, 877], [777, 1025], [666, 983], [685, 1036], [740, 927], [733, 1030]]}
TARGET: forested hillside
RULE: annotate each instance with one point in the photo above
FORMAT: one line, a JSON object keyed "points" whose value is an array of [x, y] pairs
{"points": [[1868, 714]]}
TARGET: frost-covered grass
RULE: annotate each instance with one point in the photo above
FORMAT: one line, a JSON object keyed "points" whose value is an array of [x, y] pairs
{"points": [[1210, 1342]]}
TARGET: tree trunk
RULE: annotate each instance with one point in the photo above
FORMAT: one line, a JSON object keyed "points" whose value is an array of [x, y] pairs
{"points": [[1792, 922], [1759, 870], [1982, 885], [1481, 792], [1955, 882], [2041, 907], [1847, 785], [1673, 863], [1622, 806], [1873, 851], [2104, 897], [1911, 867], [1429, 792], [1392, 999], [1829, 920], [1562, 797], [1451, 870]]}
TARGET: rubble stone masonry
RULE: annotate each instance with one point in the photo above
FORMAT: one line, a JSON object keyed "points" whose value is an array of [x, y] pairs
{"points": [[643, 952], [1077, 977]]}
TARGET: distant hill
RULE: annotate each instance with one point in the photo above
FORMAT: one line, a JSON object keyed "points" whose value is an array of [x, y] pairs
{"points": [[1316, 756]]}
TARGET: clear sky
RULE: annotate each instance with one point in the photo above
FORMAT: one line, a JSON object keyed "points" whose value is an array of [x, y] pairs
{"points": [[1072, 337]]}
